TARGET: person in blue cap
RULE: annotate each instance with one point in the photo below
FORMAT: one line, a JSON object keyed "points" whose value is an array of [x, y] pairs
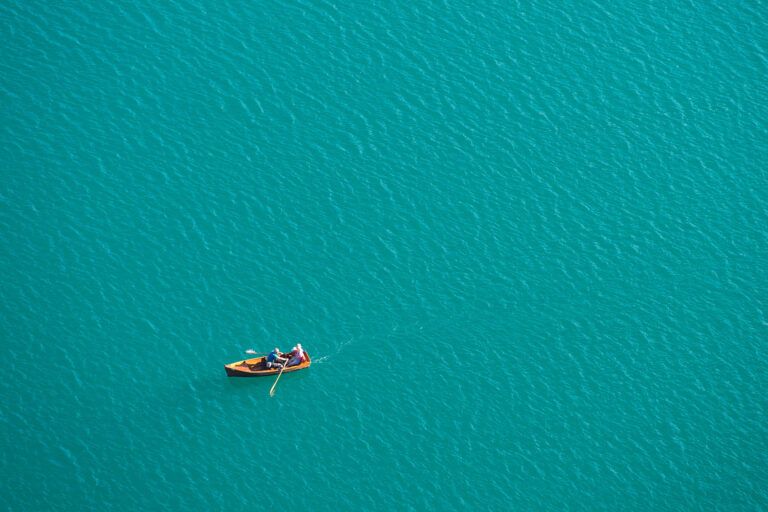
{"points": [[275, 359]]}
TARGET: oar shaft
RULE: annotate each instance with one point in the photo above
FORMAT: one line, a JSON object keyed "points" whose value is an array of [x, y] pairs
{"points": [[272, 391]]}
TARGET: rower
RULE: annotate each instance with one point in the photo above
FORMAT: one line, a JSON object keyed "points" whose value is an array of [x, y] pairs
{"points": [[274, 359]]}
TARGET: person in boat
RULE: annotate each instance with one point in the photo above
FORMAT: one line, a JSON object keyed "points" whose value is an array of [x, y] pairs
{"points": [[275, 359], [297, 355]]}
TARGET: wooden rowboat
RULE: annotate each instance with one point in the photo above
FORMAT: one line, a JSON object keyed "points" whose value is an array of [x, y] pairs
{"points": [[257, 367]]}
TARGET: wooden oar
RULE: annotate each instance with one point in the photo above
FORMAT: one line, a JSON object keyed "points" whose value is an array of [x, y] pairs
{"points": [[272, 391]]}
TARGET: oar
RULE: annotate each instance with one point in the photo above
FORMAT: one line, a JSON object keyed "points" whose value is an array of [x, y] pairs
{"points": [[250, 351], [272, 391]]}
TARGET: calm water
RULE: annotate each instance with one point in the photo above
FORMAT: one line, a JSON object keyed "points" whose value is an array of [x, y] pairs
{"points": [[524, 242]]}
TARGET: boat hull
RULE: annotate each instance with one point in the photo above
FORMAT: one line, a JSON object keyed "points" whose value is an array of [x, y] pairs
{"points": [[257, 367]]}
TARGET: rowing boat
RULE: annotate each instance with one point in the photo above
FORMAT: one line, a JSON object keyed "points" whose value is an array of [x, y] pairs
{"points": [[257, 367]]}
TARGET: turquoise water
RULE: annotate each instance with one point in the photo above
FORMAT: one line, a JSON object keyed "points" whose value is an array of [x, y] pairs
{"points": [[524, 242]]}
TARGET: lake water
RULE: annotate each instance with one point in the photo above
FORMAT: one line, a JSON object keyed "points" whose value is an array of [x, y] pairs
{"points": [[524, 243]]}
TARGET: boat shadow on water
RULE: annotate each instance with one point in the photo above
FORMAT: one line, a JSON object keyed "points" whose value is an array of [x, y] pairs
{"points": [[265, 383]]}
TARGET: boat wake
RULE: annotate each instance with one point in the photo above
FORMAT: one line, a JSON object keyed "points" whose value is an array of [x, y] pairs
{"points": [[325, 358], [344, 345]]}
